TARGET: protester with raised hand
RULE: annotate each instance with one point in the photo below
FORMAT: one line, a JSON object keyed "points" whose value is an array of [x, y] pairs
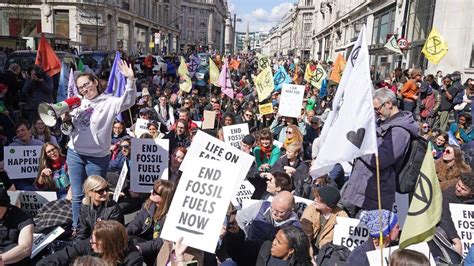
{"points": [[145, 229], [89, 145], [109, 242], [97, 206]]}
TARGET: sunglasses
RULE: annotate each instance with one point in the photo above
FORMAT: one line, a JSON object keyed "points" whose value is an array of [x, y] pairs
{"points": [[85, 85], [155, 193], [289, 132], [125, 146], [102, 190]]}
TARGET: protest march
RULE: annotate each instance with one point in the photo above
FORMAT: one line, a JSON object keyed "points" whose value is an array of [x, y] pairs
{"points": [[273, 161]]}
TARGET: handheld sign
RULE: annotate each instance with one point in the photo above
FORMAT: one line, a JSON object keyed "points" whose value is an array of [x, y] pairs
{"points": [[141, 126], [40, 241], [206, 146], [463, 219], [244, 192], [235, 133], [349, 232], [301, 204], [149, 162], [209, 119], [120, 182], [200, 204], [265, 109], [374, 255], [400, 207], [291, 100], [21, 161], [31, 201]]}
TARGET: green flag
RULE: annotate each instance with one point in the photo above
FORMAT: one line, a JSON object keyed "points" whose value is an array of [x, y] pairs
{"points": [[80, 65], [426, 205]]}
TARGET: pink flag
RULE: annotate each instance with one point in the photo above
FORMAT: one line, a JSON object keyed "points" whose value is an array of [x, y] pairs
{"points": [[225, 83]]}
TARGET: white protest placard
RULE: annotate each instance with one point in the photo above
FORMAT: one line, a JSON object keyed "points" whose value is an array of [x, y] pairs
{"points": [[235, 133], [277, 143], [31, 201], [349, 232], [301, 204], [291, 100], [120, 182], [247, 202], [21, 161], [374, 255], [400, 207], [463, 219], [149, 162], [40, 241], [141, 126], [200, 204], [244, 192], [206, 146]]}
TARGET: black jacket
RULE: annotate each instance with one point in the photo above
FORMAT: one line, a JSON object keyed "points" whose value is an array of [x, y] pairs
{"points": [[90, 215], [144, 227], [446, 222], [301, 174], [82, 248]]}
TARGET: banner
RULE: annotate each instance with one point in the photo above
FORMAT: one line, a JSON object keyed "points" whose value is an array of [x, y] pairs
{"points": [[206, 146], [21, 161], [235, 133], [281, 77], [120, 182], [349, 232], [265, 109], [244, 192], [200, 204], [225, 82], [392, 45], [264, 84], [463, 219], [46, 58], [141, 126], [149, 162], [213, 73], [374, 255], [31, 201], [337, 68], [435, 47], [291, 100]]}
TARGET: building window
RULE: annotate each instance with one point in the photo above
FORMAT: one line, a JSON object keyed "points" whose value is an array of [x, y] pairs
{"points": [[61, 23], [383, 25], [419, 19], [308, 2], [471, 65]]}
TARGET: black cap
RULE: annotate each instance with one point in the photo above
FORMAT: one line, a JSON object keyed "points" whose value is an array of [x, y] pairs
{"points": [[4, 198], [144, 111], [249, 140], [329, 195]]}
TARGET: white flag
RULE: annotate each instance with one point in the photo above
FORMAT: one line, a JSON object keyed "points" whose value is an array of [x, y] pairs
{"points": [[349, 131], [392, 45]]}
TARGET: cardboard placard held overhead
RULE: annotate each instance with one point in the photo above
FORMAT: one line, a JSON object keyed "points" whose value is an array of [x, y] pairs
{"points": [[235, 133], [209, 119], [149, 162], [265, 109], [200, 204], [141, 126], [291, 100], [21, 161]]}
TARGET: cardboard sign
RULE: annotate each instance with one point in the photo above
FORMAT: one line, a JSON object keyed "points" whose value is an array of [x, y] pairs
{"points": [[31, 201], [200, 203], [374, 255], [244, 192], [120, 182], [301, 204], [349, 232], [265, 109], [291, 100], [235, 133], [209, 119], [400, 207], [21, 161], [198, 123], [149, 162], [141, 126], [463, 219], [40, 241], [206, 146]]}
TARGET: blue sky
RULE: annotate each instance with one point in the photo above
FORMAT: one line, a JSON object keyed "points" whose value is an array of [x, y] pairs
{"points": [[261, 14]]}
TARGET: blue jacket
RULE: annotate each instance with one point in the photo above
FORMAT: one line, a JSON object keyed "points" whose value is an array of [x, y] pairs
{"points": [[469, 260], [116, 164], [393, 144]]}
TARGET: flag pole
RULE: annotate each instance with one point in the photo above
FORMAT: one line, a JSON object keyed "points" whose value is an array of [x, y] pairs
{"points": [[379, 200]]}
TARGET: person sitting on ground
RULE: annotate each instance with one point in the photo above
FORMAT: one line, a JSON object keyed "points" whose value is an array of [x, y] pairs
{"points": [[390, 230], [53, 172], [109, 242], [319, 218], [408, 257], [96, 206], [277, 182], [290, 247], [451, 166], [17, 226], [176, 159], [146, 227], [266, 155], [42, 132]]}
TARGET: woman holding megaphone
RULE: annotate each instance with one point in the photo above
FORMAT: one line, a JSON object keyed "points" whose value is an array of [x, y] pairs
{"points": [[89, 145]]}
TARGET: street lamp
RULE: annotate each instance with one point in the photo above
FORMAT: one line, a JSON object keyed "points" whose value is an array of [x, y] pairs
{"points": [[235, 32]]}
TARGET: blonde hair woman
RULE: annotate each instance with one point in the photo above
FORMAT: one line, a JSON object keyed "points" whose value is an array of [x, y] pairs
{"points": [[96, 206]]}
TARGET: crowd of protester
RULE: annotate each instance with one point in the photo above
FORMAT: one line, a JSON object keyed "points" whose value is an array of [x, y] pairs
{"points": [[83, 167]]}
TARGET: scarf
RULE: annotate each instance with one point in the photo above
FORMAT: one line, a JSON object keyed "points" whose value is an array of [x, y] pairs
{"points": [[288, 142], [265, 153], [58, 163]]}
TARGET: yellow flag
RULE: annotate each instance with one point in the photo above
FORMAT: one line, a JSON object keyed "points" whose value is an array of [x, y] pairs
{"points": [[318, 77], [264, 84], [308, 74], [185, 83], [213, 73], [426, 205], [435, 47]]}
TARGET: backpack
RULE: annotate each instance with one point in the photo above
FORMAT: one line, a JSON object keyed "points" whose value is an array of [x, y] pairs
{"points": [[333, 255], [408, 172]]}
